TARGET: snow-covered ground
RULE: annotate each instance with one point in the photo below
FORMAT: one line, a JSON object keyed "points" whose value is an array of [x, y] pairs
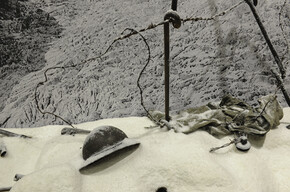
{"points": [[179, 162], [209, 58]]}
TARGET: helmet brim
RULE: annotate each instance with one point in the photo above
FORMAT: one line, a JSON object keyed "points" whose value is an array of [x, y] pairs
{"points": [[97, 157]]}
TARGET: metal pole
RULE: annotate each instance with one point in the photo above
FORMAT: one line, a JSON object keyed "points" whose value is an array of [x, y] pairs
{"points": [[166, 69], [166, 62], [174, 5]]}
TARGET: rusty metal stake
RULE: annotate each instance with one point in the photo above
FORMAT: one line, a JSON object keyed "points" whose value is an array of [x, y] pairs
{"points": [[166, 62]]}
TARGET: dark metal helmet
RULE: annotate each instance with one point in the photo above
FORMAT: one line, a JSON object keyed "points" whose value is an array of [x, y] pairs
{"points": [[103, 141]]}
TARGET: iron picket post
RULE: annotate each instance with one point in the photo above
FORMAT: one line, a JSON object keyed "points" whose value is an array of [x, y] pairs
{"points": [[166, 69], [174, 5], [166, 61]]}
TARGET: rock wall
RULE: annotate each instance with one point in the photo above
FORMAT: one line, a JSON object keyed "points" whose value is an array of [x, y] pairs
{"points": [[25, 34]]}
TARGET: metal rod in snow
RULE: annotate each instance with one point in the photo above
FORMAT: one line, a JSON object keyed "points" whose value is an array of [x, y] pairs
{"points": [[176, 20], [166, 69], [174, 5], [268, 41]]}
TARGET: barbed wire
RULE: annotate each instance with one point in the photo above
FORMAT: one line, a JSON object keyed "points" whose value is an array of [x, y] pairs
{"points": [[213, 17], [122, 37], [36, 96], [141, 73], [153, 26]]}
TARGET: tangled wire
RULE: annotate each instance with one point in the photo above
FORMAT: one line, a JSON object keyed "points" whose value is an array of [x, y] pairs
{"points": [[138, 32]]}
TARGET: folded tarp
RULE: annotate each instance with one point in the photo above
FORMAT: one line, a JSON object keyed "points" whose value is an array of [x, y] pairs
{"points": [[227, 117]]}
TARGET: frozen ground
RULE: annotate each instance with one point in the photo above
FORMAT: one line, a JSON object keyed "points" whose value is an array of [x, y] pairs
{"points": [[208, 60], [179, 162]]}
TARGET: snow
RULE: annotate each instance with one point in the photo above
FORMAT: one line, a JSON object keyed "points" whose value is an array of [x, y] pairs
{"points": [[207, 60], [179, 162]]}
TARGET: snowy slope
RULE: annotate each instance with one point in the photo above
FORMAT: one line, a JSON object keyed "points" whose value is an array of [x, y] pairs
{"points": [[179, 162], [208, 60]]}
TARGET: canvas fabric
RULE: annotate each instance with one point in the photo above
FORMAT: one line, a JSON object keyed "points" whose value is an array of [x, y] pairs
{"points": [[230, 116]]}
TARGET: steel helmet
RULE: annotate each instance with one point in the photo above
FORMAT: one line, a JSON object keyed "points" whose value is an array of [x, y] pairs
{"points": [[103, 141]]}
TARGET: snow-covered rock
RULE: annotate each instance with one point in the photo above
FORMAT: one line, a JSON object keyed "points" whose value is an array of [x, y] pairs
{"points": [[178, 162]]}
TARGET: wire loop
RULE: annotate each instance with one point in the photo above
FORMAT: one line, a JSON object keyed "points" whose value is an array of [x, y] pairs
{"points": [[174, 18]]}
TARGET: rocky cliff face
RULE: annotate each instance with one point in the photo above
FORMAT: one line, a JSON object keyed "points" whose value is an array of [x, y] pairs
{"points": [[9, 9], [25, 34], [208, 59]]}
